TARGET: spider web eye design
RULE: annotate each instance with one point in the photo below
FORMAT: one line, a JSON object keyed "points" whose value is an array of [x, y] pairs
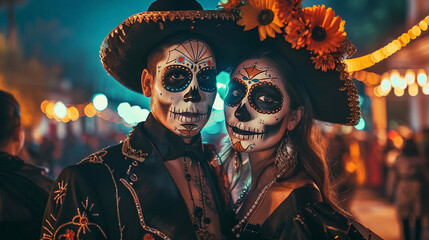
{"points": [[207, 79], [265, 98], [237, 90], [176, 78]]}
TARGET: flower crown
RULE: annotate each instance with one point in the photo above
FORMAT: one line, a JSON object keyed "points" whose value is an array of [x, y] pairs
{"points": [[315, 28]]}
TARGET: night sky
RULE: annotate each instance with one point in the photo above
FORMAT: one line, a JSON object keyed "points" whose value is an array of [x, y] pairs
{"points": [[69, 33]]}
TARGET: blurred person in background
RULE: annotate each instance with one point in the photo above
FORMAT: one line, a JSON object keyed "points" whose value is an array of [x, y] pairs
{"points": [[409, 175], [24, 188]]}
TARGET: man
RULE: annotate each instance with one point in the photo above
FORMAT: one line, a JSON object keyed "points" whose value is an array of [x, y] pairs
{"points": [[158, 183], [24, 188]]}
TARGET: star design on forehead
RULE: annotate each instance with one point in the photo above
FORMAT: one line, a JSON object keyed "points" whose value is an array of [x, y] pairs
{"points": [[193, 51], [251, 73]]}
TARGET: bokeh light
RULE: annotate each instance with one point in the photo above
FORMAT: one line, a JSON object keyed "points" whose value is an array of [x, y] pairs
{"points": [[100, 101], [60, 109]]}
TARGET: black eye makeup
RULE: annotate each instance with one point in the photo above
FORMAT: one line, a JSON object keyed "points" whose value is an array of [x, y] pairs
{"points": [[176, 78], [236, 91], [265, 98], [207, 79]]}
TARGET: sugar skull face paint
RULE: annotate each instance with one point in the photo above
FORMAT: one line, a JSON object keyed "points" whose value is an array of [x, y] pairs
{"points": [[185, 87], [256, 106]]}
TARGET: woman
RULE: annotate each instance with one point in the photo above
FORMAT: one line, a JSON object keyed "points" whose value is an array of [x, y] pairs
{"points": [[409, 171], [273, 97]]}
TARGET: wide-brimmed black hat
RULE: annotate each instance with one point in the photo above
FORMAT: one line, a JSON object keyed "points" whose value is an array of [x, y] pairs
{"points": [[125, 49], [331, 90]]}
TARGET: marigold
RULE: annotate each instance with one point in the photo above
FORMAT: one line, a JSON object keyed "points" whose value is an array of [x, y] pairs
{"points": [[324, 62], [326, 30], [297, 31], [262, 14], [230, 5], [287, 8]]}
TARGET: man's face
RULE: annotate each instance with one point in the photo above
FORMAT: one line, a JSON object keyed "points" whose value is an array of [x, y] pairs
{"points": [[185, 87]]}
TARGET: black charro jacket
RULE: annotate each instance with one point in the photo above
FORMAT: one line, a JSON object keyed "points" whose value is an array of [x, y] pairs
{"points": [[304, 216], [126, 192], [24, 191]]}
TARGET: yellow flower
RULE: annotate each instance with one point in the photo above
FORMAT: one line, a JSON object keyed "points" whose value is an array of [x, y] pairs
{"points": [[324, 62], [326, 30], [262, 14]]}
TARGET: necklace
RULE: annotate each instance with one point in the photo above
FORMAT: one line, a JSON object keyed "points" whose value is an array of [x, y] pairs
{"points": [[252, 211], [199, 213]]}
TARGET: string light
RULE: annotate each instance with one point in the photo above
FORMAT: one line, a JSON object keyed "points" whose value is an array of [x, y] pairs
{"points": [[366, 61]]}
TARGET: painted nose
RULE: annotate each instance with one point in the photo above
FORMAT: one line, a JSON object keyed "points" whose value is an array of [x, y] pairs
{"points": [[192, 95], [242, 114]]}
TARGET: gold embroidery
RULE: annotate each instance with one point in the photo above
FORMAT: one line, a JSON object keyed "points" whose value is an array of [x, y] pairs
{"points": [[96, 157], [48, 234], [61, 192], [117, 201], [140, 213], [129, 151]]}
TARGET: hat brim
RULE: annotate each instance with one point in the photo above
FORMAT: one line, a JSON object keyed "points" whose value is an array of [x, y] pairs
{"points": [[333, 94], [124, 51]]}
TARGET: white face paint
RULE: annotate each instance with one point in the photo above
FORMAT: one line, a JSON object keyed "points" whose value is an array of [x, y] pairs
{"points": [[257, 106], [185, 88]]}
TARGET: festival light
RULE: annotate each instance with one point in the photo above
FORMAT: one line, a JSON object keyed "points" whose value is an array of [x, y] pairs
{"points": [[398, 91], [73, 113], [366, 61], [89, 110], [360, 125], [100, 101], [410, 77], [60, 109], [413, 90], [422, 78]]}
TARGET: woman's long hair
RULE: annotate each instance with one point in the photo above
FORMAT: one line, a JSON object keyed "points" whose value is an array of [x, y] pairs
{"points": [[306, 137]]}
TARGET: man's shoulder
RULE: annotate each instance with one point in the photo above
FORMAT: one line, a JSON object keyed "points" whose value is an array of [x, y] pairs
{"points": [[103, 155]]}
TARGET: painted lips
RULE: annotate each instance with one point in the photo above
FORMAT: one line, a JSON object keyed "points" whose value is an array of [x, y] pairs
{"points": [[244, 133], [187, 116]]}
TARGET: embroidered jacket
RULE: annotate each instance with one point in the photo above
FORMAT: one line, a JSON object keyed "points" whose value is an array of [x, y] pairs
{"points": [[125, 192]]}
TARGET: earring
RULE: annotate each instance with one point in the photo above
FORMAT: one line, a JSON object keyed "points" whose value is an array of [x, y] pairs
{"points": [[286, 155]]}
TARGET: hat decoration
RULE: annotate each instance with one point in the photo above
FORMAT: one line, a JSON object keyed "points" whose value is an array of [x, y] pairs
{"points": [[315, 29]]}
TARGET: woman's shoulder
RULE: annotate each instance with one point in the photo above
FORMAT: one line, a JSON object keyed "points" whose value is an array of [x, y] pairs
{"points": [[314, 219]]}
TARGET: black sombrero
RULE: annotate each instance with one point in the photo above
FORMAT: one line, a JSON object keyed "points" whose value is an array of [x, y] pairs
{"points": [[124, 51]]}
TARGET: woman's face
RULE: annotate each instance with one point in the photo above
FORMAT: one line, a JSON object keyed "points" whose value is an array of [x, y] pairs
{"points": [[257, 106]]}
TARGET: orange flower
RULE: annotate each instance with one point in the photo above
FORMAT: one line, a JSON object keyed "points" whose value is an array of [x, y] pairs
{"points": [[326, 30], [324, 62], [261, 14], [230, 5], [287, 8], [297, 31]]}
